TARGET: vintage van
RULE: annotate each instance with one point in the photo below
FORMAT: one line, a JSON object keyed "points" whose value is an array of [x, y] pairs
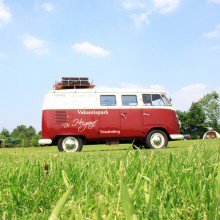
{"points": [[73, 117]]}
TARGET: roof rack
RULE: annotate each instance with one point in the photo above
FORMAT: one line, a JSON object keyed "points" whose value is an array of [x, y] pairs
{"points": [[73, 83]]}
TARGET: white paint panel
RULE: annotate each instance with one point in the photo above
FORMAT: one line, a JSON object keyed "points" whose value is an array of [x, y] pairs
{"points": [[90, 99]]}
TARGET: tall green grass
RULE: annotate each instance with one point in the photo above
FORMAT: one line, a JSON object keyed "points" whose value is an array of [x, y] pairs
{"points": [[103, 182]]}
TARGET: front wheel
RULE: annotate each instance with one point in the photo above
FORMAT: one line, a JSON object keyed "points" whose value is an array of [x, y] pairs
{"points": [[156, 139], [70, 144]]}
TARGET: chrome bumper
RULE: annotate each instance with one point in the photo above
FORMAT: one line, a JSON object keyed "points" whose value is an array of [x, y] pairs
{"points": [[176, 136], [45, 142]]}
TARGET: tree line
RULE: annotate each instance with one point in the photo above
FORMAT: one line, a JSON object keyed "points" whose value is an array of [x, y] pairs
{"points": [[202, 116], [21, 136]]}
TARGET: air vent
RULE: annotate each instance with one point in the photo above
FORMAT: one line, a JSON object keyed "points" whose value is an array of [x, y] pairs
{"points": [[60, 117]]}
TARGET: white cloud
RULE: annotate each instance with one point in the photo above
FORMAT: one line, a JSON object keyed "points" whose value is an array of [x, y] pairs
{"points": [[90, 49], [131, 86], [214, 48], [166, 6], [184, 97], [2, 56], [35, 45], [217, 89], [5, 14], [47, 6], [215, 1], [134, 4], [214, 33], [140, 20], [157, 87], [142, 9], [138, 86]]}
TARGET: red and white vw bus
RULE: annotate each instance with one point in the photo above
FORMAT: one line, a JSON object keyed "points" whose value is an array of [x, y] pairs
{"points": [[72, 117]]}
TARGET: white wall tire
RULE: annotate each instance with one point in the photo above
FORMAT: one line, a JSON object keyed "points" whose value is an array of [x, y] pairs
{"points": [[156, 139], [70, 144]]}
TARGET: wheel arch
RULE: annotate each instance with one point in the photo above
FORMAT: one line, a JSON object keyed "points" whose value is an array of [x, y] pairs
{"points": [[55, 140]]}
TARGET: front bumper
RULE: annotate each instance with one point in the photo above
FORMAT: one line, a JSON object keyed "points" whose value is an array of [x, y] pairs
{"points": [[45, 142], [176, 136]]}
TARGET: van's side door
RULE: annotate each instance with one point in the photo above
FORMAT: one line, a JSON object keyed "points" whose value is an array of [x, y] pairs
{"points": [[109, 121], [149, 116], [131, 116], [154, 114]]}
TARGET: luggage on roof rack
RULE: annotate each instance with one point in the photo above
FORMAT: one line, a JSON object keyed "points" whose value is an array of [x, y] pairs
{"points": [[73, 83]]}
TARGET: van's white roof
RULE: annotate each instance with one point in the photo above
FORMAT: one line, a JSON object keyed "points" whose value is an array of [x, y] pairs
{"points": [[107, 90]]}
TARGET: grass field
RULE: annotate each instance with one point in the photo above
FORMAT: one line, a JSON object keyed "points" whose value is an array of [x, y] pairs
{"points": [[112, 182]]}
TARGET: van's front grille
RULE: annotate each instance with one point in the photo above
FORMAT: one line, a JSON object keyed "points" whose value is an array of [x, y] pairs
{"points": [[60, 117]]}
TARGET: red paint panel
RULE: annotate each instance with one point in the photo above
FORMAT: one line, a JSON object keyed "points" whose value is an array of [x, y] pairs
{"points": [[80, 124], [107, 124], [164, 118], [131, 123], [110, 124]]}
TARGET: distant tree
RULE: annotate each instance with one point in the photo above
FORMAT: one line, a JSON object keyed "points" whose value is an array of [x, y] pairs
{"points": [[183, 118], [21, 136], [22, 132], [19, 132], [12, 142], [5, 133], [211, 106], [196, 120], [34, 140], [25, 143], [30, 132]]}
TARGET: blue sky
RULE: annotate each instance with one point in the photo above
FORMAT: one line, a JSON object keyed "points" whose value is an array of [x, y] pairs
{"points": [[173, 45]]}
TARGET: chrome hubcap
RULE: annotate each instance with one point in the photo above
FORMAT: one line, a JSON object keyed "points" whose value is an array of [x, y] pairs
{"points": [[70, 144], [157, 140]]}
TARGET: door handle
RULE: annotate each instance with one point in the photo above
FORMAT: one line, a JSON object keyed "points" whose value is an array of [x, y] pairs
{"points": [[146, 114], [123, 115]]}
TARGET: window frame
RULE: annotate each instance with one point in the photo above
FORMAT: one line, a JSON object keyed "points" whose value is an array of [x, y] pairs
{"points": [[129, 95], [166, 100], [160, 98], [115, 104], [143, 99]]}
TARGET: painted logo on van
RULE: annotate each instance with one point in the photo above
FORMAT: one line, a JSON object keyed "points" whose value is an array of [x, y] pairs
{"points": [[110, 131], [81, 124], [92, 112]]}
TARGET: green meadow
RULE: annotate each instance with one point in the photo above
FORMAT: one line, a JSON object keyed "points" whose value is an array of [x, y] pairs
{"points": [[112, 182]]}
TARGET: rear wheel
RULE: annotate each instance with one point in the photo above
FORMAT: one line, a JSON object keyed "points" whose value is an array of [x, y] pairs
{"points": [[70, 144], [156, 139]]}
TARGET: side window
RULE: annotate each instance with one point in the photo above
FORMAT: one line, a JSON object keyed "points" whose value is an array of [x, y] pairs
{"points": [[147, 99], [157, 100], [107, 100], [129, 100]]}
